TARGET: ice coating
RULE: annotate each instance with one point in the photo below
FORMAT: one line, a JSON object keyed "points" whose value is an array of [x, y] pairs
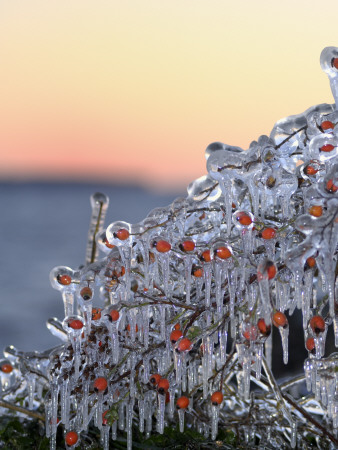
{"points": [[255, 239]]}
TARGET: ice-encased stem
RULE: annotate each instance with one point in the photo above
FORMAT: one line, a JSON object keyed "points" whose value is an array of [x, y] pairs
{"points": [[99, 203]]}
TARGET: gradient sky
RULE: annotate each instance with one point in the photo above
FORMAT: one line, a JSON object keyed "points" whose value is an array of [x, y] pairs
{"points": [[136, 90]]}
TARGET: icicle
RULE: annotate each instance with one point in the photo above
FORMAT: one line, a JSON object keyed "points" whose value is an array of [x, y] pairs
{"points": [[225, 185], [293, 438], [141, 411], [129, 420], [207, 280], [284, 332], [188, 261], [214, 421], [223, 337], [104, 437], [181, 413], [64, 400], [121, 416], [114, 431], [160, 413], [31, 390]]}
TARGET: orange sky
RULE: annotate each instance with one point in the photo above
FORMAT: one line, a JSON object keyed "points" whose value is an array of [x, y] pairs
{"points": [[136, 90]]}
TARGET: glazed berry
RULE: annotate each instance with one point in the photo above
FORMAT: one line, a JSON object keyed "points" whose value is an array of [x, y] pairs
{"points": [[222, 253], [106, 242], [65, 280], [162, 246], [279, 319], [250, 333], [75, 324], [327, 125], [86, 293], [163, 386], [311, 262], [104, 420], [154, 379], [6, 368], [177, 326], [100, 384], [128, 327], [185, 345], [187, 246], [331, 187], [114, 315], [263, 327], [334, 63], [182, 402], [316, 211], [175, 336], [317, 324], [244, 219], [121, 234], [217, 398], [310, 170], [71, 438], [327, 148], [268, 233], [270, 270], [310, 344], [197, 271], [96, 313], [205, 256]]}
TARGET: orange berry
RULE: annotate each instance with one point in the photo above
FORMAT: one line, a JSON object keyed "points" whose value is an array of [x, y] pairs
{"points": [[250, 333], [96, 313], [309, 170], [100, 384], [86, 293], [6, 368], [187, 246], [217, 398], [279, 319], [175, 336], [162, 246], [316, 211], [334, 63], [163, 386], [270, 269], [177, 326], [326, 125], [244, 219], [105, 240], [331, 187], [182, 402], [65, 280], [311, 262], [121, 234], [114, 314], [268, 233], [222, 253], [327, 148], [197, 271], [71, 438], [75, 324], [205, 256], [317, 324], [310, 344], [185, 345], [154, 379], [128, 327], [263, 327]]}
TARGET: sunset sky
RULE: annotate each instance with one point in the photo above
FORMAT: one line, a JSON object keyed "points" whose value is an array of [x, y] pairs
{"points": [[135, 90]]}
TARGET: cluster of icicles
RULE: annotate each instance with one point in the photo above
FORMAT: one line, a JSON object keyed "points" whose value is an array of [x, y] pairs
{"points": [[146, 326]]}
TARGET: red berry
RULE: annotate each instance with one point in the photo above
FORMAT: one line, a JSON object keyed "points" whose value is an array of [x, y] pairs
{"points": [[279, 319], [71, 438], [100, 384], [185, 345], [205, 256], [244, 219], [104, 420], [65, 280], [327, 148], [310, 344], [222, 253], [317, 324], [316, 211], [334, 63], [268, 233], [6, 368], [187, 246], [105, 240], [263, 327], [114, 314], [75, 324], [121, 234], [326, 125], [163, 386], [86, 293], [250, 333], [197, 271], [217, 398], [309, 170], [175, 336], [96, 313], [182, 402], [331, 187], [177, 326], [154, 379], [311, 262], [162, 246]]}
